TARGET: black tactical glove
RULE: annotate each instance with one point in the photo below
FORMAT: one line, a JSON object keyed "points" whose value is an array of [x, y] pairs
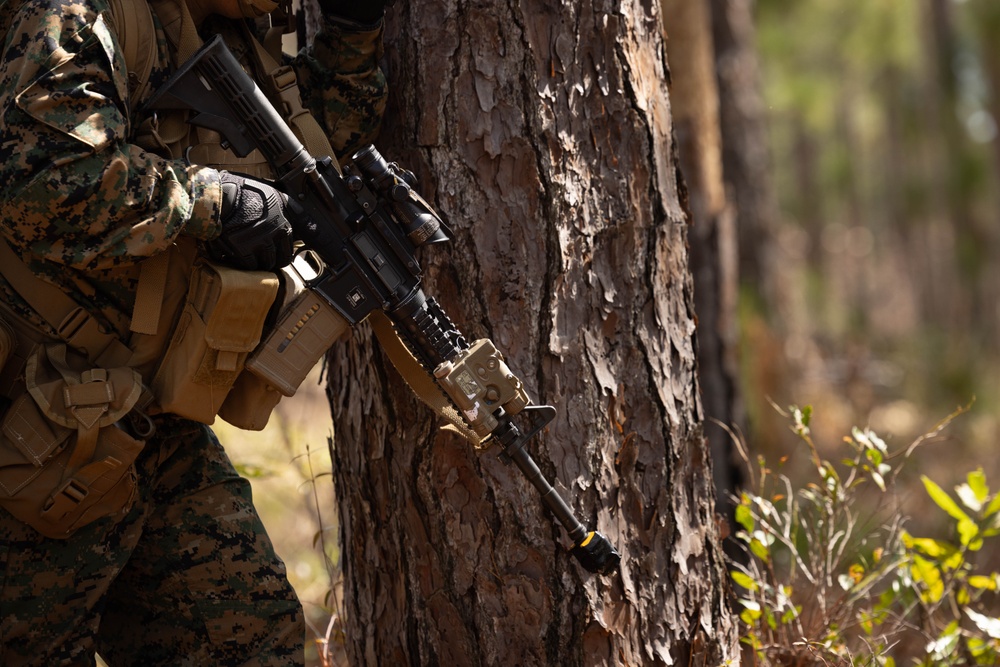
{"points": [[366, 12], [255, 236]]}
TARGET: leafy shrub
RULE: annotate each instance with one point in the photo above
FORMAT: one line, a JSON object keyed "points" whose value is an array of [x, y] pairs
{"points": [[831, 578]]}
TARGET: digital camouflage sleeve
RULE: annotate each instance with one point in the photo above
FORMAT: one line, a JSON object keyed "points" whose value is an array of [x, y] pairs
{"points": [[342, 85]]}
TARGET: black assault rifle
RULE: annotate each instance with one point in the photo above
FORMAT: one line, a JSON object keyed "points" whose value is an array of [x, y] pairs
{"points": [[365, 226]]}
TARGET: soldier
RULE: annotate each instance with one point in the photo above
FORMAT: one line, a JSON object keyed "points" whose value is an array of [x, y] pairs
{"points": [[140, 542]]}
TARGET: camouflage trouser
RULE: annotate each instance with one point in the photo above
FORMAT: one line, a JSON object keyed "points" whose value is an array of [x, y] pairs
{"points": [[188, 577]]}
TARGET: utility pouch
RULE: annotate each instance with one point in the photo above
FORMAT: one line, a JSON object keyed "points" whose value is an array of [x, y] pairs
{"points": [[220, 325], [63, 460], [307, 326]]}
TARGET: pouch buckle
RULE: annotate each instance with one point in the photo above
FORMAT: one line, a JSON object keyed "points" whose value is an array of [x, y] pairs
{"points": [[65, 500]]}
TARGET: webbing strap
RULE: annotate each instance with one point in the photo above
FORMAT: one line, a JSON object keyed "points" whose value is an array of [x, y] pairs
{"points": [[281, 81], [190, 41], [178, 26], [149, 294], [75, 489], [71, 322], [272, 41], [416, 376]]}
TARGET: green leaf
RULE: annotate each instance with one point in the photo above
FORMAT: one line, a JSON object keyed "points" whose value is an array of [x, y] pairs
{"points": [[745, 518], [983, 583], [980, 649], [977, 482], [751, 611], [874, 457], [744, 580], [991, 532], [830, 476], [252, 471], [760, 550], [990, 524], [927, 573], [928, 546], [946, 643], [943, 500], [968, 534], [869, 440], [993, 507], [804, 416]]}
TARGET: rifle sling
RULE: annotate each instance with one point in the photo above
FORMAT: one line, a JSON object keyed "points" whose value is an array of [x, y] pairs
{"points": [[417, 377]]}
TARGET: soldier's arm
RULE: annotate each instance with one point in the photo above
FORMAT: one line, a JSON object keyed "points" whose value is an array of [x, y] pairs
{"points": [[341, 83], [72, 189]]}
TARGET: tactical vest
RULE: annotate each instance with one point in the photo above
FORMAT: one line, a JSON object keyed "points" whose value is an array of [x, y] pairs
{"points": [[194, 323]]}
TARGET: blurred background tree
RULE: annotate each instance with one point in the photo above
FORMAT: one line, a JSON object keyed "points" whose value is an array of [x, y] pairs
{"points": [[883, 158]]}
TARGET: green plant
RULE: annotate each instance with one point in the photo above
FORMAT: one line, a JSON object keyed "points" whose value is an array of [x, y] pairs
{"points": [[944, 577], [831, 576]]}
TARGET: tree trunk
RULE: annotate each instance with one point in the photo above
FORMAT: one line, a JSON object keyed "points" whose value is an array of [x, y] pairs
{"points": [[745, 156], [541, 132], [714, 254]]}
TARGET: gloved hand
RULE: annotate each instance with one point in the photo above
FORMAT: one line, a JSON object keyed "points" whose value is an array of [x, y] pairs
{"points": [[366, 12], [256, 235]]}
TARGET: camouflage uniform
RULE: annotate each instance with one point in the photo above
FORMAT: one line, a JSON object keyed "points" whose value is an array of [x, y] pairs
{"points": [[189, 575]]}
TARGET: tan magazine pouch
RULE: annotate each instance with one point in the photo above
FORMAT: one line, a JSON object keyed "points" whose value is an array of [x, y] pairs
{"points": [[306, 327], [220, 325], [63, 460]]}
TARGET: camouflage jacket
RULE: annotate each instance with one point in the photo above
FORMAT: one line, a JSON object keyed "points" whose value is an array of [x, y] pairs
{"points": [[80, 201]]}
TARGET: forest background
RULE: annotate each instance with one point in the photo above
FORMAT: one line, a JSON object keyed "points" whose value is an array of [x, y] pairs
{"points": [[870, 284], [880, 271]]}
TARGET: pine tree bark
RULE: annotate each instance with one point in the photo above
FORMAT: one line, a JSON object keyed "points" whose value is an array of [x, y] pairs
{"points": [[541, 131]]}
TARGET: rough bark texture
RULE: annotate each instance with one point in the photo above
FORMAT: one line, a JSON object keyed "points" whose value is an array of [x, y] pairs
{"points": [[542, 132]]}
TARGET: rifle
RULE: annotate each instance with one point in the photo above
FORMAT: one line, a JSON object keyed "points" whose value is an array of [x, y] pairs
{"points": [[365, 226]]}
